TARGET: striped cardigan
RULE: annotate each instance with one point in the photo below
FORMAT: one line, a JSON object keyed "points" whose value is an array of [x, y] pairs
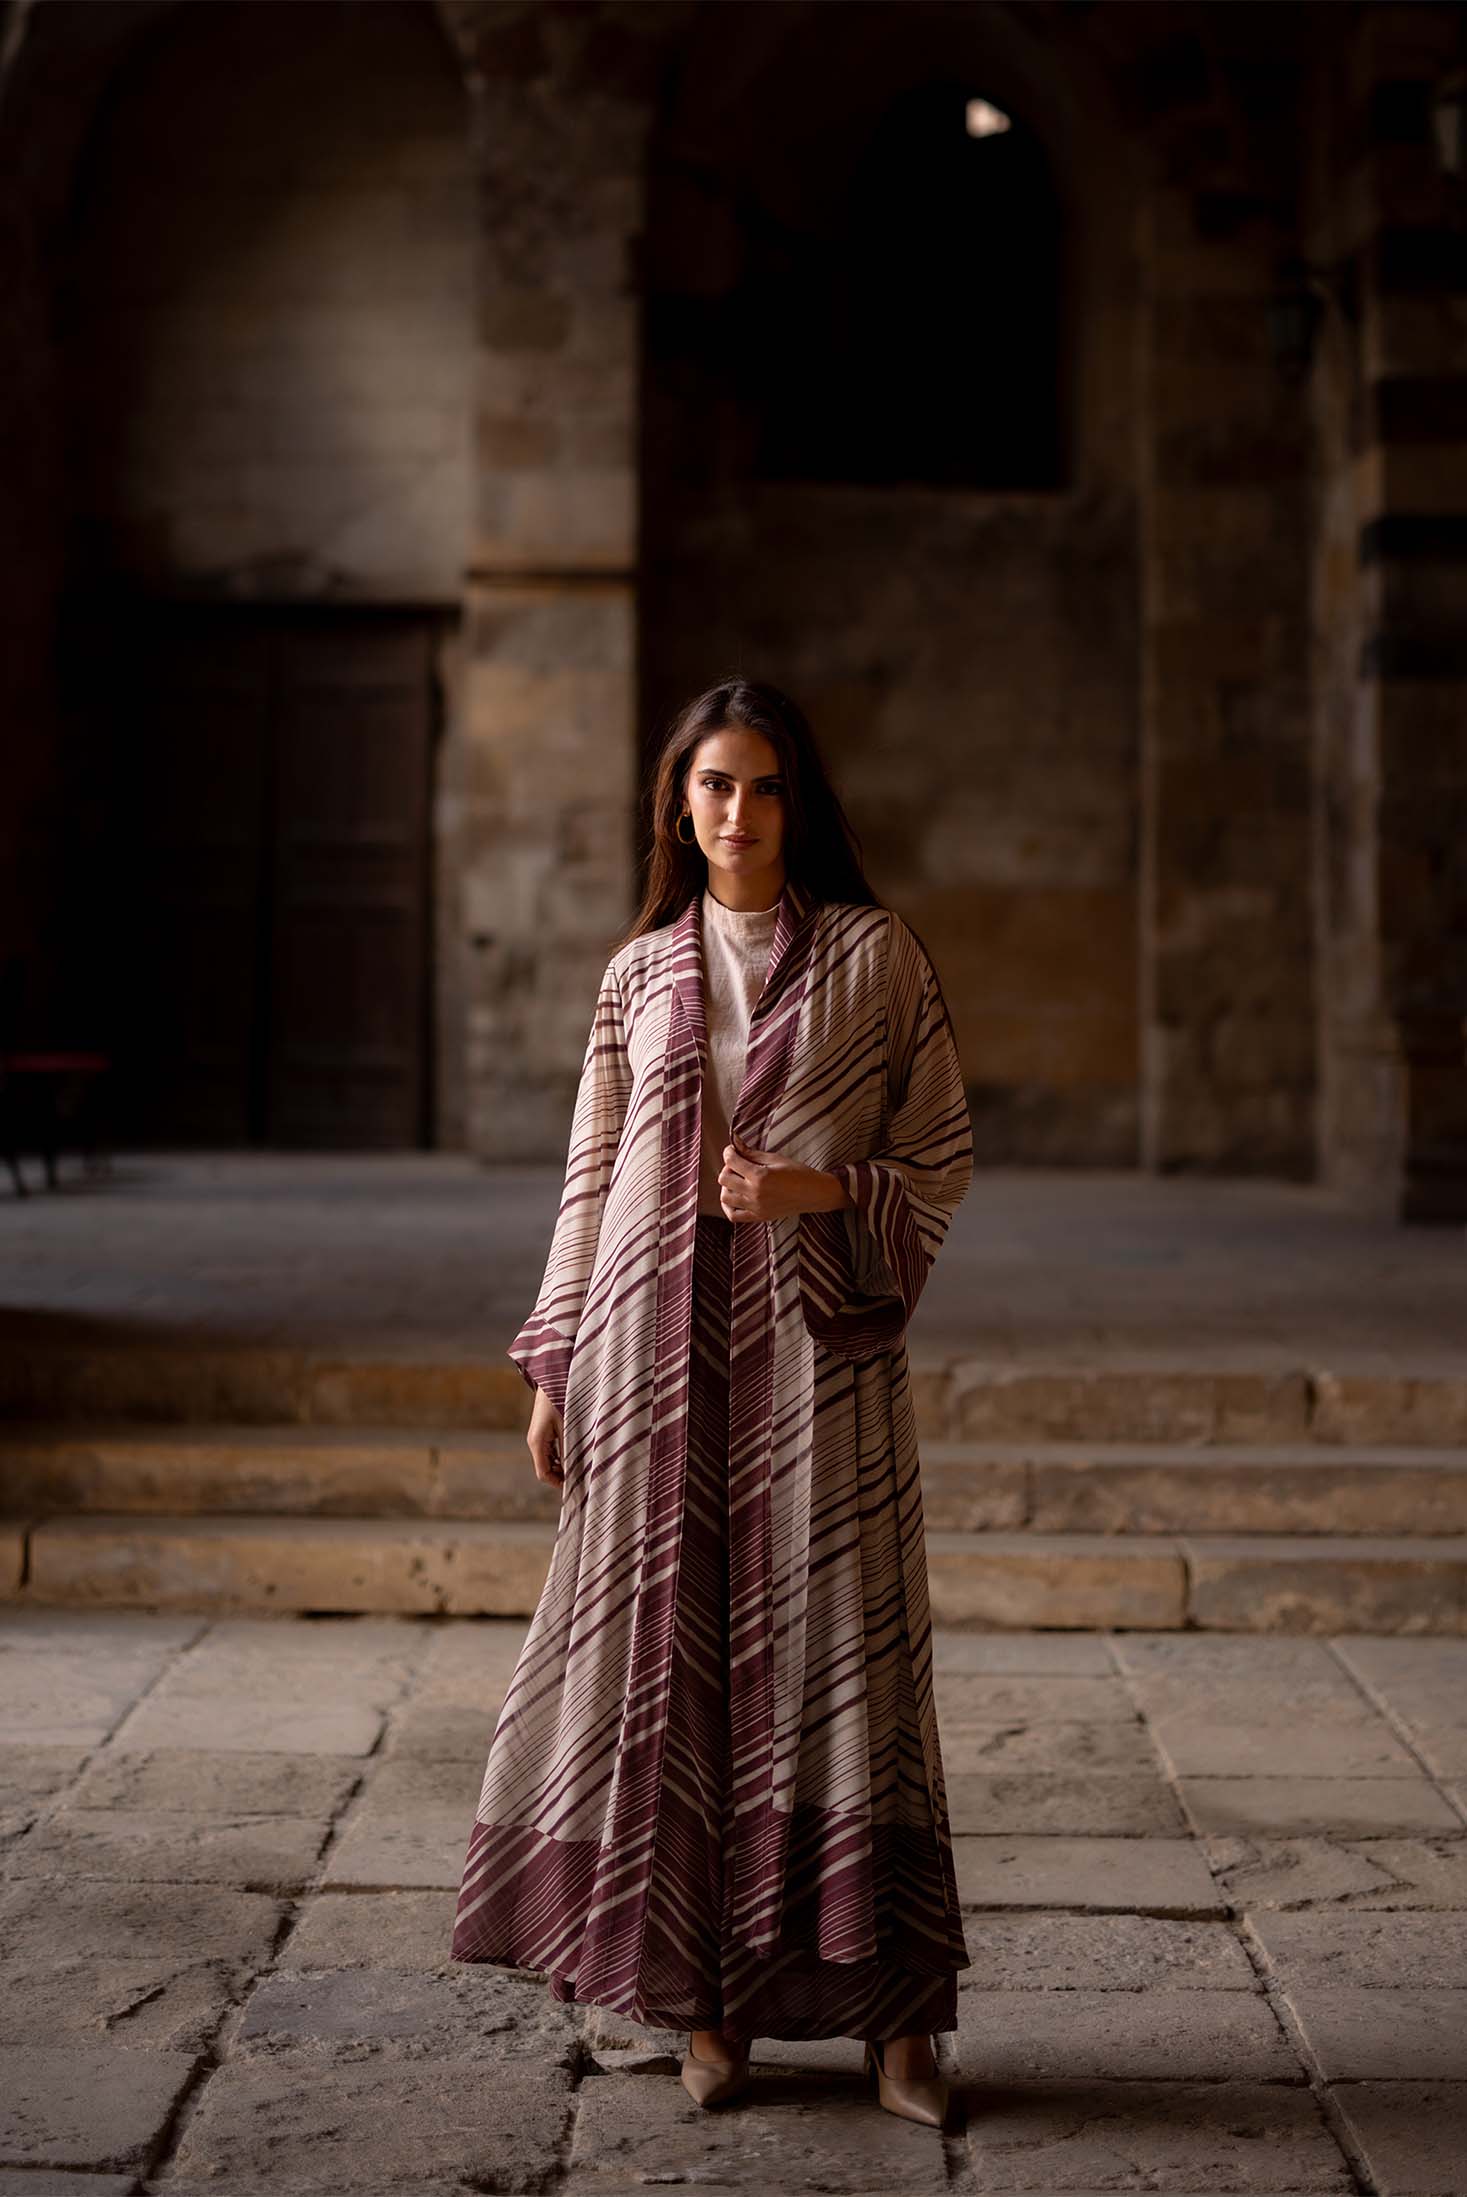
{"points": [[852, 1066]]}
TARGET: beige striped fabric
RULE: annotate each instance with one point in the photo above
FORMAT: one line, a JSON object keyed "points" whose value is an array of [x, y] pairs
{"points": [[698, 1804]]}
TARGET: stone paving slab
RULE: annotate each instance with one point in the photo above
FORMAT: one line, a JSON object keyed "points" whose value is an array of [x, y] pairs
{"points": [[137, 1921], [34, 1773], [1158, 2035], [164, 2003], [1146, 2006], [1301, 1806], [1366, 1950], [1412, 2135], [466, 2013], [792, 2130], [85, 2104], [132, 1845], [1181, 2138], [393, 1847], [1102, 1953], [1311, 1872], [304, 2121], [1394, 2033], [47, 2184], [1173, 1671], [382, 1930], [443, 1734], [1058, 1801], [1157, 1874], [62, 2184], [1356, 1746], [1046, 1744], [215, 1781], [64, 1699], [1003, 1697], [1423, 1683], [25, 1626], [302, 1721], [1027, 1654]]}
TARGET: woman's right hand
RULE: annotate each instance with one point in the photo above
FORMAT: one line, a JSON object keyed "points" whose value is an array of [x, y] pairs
{"points": [[543, 1439]]}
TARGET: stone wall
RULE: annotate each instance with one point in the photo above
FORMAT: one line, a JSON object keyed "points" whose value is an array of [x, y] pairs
{"points": [[1165, 760], [1391, 616], [968, 657]]}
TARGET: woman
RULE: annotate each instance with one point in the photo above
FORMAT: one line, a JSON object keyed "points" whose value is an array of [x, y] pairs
{"points": [[714, 1798]]}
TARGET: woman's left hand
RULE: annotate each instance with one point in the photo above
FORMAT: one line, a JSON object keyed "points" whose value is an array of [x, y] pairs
{"points": [[765, 1186]]}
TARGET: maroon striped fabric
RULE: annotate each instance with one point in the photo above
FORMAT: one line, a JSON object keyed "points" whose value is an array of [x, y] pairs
{"points": [[714, 1792]]}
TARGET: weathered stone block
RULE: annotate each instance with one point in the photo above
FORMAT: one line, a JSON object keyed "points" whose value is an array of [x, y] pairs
{"points": [[1022, 1953], [1301, 1807], [1120, 1804], [1327, 1584], [1386, 2034], [85, 2105], [1180, 2137], [1153, 2036], [1056, 1579], [1098, 1873], [304, 2121], [1364, 1951], [811, 2130], [1412, 2135], [386, 1930], [262, 1853], [1427, 1872]]}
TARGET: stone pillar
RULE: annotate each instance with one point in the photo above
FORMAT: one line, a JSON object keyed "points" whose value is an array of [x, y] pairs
{"points": [[548, 774], [1390, 389], [1227, 1052]]}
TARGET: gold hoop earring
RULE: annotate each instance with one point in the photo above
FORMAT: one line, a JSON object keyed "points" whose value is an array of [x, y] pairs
{"points": [[687, 838]]}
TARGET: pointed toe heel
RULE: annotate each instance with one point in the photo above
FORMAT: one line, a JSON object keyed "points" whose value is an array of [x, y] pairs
{"points": [[915, 2097], [713, 2082]]}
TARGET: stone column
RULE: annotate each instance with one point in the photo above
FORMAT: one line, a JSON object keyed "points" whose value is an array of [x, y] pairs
{"points": [[1390, 389], [1227, 1055], [547, 780]]}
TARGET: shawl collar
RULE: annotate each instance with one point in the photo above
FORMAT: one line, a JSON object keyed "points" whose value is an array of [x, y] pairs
{"points": [[775, 1012]]}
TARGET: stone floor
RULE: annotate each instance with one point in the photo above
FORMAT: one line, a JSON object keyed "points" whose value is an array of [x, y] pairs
{"points": [[431, 1256], [1215, 1894]]}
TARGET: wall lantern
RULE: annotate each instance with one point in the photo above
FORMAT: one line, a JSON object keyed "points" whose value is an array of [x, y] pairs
{"points": [[1449, 124], [1297, 304]]}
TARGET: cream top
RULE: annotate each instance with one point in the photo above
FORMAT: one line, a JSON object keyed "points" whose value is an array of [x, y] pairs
{"points": [[737, 943]]}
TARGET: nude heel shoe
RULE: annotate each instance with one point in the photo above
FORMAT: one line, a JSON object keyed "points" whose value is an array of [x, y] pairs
{"points": [[915, 2097], [711, 2082]]}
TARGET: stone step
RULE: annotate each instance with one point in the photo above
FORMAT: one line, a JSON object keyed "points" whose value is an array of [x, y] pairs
{"points": [[1219, 1582], [1044, 1487], [956, 1398]]}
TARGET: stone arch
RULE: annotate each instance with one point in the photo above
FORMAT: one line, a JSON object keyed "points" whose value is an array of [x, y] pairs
{"points": [[969, 653], [279, 412]]}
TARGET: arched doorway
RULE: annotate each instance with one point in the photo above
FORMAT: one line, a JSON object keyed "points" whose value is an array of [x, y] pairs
{"points": [[268, 316]]}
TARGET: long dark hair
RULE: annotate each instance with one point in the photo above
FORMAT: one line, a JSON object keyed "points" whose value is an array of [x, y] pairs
{"points": [[820, 846]]}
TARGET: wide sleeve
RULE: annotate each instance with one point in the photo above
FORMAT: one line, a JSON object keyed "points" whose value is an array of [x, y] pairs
{"points": [[863, 1267], [542, 1349]]}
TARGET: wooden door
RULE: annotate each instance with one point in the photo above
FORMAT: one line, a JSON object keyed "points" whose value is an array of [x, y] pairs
{"points": [[270, 873], [348, 912]]}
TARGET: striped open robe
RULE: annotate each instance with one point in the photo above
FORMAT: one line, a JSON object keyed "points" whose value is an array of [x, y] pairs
{"points": [[589, 1857]]}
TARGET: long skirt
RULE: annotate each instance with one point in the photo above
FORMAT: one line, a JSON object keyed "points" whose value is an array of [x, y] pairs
{"points": [[718, 1983]]}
